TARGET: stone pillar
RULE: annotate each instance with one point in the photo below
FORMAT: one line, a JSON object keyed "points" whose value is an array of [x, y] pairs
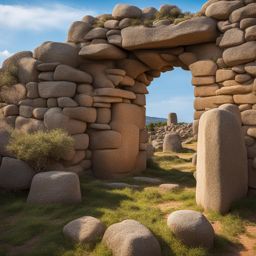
{"points": [[172, 119], [222, 175]]}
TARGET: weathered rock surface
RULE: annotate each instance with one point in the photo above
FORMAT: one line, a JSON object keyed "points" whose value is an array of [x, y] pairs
{"points": [[15, 174], [130, 238], [102, 51], [67, 73], [55, 187], [240, 54], [172, 143], [57, 52], [196, 30], [222, 176], [56, 89], [192, 228], [86, 229], [221, 10]]}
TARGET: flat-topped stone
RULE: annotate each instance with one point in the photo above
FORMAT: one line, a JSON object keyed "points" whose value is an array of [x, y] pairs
{"points": [[120, 185], [115, 93], [55, 187], [147, 180], [67, 73], [56, 89], [194, 31], [102, 51]]}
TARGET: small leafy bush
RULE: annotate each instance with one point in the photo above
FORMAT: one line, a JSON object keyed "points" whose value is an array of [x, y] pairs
{"points": [[8, 76], [40, 148]]}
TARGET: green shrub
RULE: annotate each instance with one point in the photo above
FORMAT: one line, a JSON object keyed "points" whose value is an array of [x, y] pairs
{"points": [[100, 20], [8, 76], [40, 148]]}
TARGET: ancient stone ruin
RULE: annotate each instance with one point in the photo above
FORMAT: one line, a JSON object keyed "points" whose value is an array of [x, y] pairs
{"points": [[94, 85]]}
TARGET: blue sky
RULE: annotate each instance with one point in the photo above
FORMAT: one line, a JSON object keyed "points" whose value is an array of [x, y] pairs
{"points": [[26, 24]]}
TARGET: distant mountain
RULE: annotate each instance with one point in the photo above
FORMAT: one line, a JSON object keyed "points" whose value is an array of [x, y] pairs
{"points": [[150, 119]]}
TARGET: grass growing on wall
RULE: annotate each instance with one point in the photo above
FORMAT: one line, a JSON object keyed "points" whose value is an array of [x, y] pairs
{"points": [[39, 148], [32, 230], [8, 76]]}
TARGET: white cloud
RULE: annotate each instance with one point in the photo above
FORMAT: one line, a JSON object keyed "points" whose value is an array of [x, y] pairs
{"points": [[39, 18], [5, 54], [182, 105]]}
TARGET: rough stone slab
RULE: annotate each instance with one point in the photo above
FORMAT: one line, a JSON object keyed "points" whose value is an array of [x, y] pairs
{"points": [[85, 114], [15, 174], [102, 51], [249, 117], [192, 228], [56, 89], [194, 31], [240, 54], [248, 11], [55, 187], [203, 68], [105, 140], [222, 9], [67, 73], [63, 53], [115, 93], [236, 89], [245, 98]]}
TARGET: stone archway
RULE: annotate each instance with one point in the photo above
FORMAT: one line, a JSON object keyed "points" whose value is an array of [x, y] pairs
{"points": [[96, 83]]}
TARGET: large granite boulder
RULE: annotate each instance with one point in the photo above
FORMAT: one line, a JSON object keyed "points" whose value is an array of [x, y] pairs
{"points": [[63, 53], [55, 187], [67, 73], [241, 54], [222, 175], [131, 238], [51, 89], [194, 31], [122, 11]]}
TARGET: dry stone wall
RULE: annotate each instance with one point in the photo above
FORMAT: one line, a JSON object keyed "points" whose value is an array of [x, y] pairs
{"points": [[94, 85]]}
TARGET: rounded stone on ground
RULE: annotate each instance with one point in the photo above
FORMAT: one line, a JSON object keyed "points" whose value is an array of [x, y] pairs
{"points": [[15, 174], [192, 228], [169, 187], [55, 187], [86, 229], [172, 143], [130, 237]]}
